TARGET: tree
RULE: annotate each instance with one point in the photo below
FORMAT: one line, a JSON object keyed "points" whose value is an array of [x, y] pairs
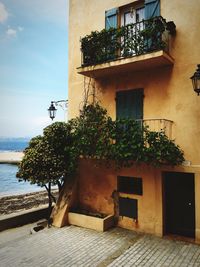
{"points": [[50, 159]]}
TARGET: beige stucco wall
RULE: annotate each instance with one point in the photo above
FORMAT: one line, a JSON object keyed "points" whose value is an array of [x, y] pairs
{"points": [[168, 90], [96, 186], [97, 183], [168, 94]]}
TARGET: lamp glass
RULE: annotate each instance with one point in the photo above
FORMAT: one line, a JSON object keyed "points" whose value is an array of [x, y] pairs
{"points": [[52, 111]]}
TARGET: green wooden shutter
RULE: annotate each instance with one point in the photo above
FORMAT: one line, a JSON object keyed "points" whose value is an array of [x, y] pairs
{"points": [[152, 8], [111, 18], [129, 104]]}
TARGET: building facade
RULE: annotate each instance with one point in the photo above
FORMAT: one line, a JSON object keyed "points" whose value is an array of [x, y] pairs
{"points": [[143, 72]]}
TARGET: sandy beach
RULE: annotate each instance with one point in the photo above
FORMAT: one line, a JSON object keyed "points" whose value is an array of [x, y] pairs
{"points": [[11, 157], [17, 203]]}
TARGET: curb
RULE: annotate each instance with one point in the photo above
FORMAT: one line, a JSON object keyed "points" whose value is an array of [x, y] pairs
{"points": [[22, 218]]}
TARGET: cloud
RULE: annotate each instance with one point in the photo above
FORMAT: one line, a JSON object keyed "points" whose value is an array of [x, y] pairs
{"points": [[20, 29], [3, 13], [11, 32]]}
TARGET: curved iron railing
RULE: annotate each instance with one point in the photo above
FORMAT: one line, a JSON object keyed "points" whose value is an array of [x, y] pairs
{"points": [[158, 125]]}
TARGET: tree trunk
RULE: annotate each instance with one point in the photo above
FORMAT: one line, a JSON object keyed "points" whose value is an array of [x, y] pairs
{"points": [[53, 198], [48, 188], [60, 186], [50, 204]]}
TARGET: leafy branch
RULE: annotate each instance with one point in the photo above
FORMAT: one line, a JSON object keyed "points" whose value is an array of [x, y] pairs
{"points": [[124, 141], [52, 158]]}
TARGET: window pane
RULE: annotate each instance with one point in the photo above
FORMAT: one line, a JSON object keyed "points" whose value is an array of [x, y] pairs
{"points": [[140, 14], [129, 18]]}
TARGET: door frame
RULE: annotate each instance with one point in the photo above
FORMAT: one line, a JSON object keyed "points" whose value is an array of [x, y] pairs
{"points": [[164, 219]]}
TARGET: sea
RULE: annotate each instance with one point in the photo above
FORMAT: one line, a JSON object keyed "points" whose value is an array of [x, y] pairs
{"points": [[9, 184]]}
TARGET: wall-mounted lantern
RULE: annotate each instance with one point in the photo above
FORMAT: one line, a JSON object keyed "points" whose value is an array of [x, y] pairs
{"points": [[52, 109], [196, 80]]}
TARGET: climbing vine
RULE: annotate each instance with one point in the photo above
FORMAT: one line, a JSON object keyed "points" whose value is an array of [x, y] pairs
{"points": [[52, 158], [124, 141]]}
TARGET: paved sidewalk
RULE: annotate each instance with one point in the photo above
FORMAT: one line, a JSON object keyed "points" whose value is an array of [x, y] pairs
{"points": [[154, 251], [74, 246]]}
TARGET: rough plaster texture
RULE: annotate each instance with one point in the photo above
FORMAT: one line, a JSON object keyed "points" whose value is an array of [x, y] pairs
{"points": [[168, 90], [168, 94], [67, 198]]}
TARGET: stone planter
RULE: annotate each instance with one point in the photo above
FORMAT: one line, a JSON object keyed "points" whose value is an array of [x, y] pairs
{"points": [[91, 222]]}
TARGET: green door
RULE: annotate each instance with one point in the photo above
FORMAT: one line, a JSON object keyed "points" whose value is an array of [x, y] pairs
{"points": [[129, 104]]}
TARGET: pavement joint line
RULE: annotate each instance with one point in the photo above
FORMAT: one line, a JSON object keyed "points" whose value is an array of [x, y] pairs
{"points": [[73, 246]]}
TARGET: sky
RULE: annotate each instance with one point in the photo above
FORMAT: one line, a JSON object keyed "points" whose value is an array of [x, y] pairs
{"points": [[33, 64]]}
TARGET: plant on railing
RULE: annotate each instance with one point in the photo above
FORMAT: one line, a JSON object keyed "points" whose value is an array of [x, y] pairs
{"points": [[100, 46], [160, 150], [129, 40], [152, 34], [132, 43], [123, 142], [128, 142]]}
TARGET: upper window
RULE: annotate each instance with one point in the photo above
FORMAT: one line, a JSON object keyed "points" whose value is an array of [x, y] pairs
{"points": [[132, 13]]}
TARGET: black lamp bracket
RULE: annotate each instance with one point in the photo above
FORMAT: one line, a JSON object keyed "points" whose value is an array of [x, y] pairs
{"points": [[61, 103]]}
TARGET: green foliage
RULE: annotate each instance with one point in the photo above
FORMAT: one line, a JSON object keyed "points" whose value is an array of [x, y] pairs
{"points": [[152, 34], [159, 150], [124, 142], [100, 46], [49, 158], [128, 145], [92, 132], [129, 40]]}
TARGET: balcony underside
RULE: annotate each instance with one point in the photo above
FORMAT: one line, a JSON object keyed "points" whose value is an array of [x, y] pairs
{"points": [[123, 65]]}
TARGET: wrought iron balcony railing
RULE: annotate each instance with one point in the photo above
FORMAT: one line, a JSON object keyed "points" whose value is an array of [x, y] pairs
{"points": [[131, 40], [158, 125]]}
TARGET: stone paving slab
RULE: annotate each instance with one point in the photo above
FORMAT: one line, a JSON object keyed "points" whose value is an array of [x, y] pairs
{"points": [[157, 252], [73, 247], [68, 246]]}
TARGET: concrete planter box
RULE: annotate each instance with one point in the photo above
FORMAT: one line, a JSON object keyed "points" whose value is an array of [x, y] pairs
{"points": [[98, 224]]}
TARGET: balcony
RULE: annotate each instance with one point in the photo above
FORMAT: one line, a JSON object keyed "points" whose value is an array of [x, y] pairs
{"points": [[133, 47], [158, 125]]}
